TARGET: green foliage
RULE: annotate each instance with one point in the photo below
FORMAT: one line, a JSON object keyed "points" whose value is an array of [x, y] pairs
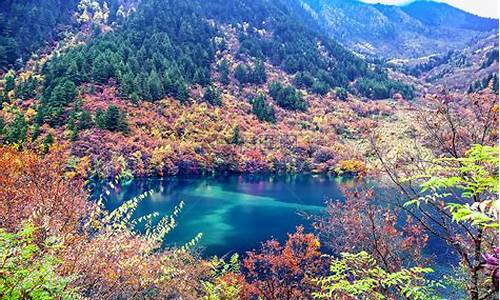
{"points": [[264, 111], [246, 74], [379, 86], [479, 85], [217, 288], [55, 99], [29, 269], [47, 142], [16, 131], [491, 57], [359, 276], [212, 96], [26, 26], [154, 86], [113, 119], [224, 72], [304, 80], [27, 88], [476, 177], [236, 138], [320, 87], [287, 97], [10, 82], [341, 93], [175, 49]]}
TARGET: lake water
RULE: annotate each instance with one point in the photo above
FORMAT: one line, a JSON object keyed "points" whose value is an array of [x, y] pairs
{"points": [[237, 213], [234, 213]]}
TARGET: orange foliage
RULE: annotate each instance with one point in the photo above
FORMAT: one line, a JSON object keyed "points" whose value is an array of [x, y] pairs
{"points": [[284, 271], [35, 187]]}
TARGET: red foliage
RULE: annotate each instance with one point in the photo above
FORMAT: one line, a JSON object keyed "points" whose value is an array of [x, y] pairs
{"points": [[359, 224], [284, 271]]}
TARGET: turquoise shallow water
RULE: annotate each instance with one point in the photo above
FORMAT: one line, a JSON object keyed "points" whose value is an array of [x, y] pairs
{"points": [[234, 213], [237, 213]]}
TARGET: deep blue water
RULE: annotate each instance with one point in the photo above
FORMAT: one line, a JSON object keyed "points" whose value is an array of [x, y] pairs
{"points": [[237, 213]]}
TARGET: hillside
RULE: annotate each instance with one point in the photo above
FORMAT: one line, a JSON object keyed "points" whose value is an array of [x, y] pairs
{"points": [[470, 69], [196, 87], [418, 29]]}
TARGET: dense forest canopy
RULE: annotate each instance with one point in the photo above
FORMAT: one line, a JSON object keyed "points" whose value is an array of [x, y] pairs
{"points": [[167, 46], [25, 26]]}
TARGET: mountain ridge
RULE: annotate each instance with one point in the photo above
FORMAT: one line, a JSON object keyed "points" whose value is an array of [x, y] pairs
{"points": [[416, 29]]}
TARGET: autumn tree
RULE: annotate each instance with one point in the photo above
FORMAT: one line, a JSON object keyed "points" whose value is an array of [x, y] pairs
{"points": [[284, 271], [444, 162], [360, 224]]}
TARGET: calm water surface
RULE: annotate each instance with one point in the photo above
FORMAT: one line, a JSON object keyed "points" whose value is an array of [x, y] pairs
{"points": [[234, 213], [237, 213]]}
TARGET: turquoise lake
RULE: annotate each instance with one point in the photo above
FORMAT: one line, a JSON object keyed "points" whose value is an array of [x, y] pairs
{"points": [[236, 213]]}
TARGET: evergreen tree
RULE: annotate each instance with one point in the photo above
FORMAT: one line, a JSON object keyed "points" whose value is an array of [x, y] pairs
{"points": [[35, 132], [264, 112], [341, 93], [100, 119], [17, 130], [212, 96], [287, 97], [47, 142], [85, 120], [320, 88], [63, 93], [182, 92], [224, 72], [154, 86], [259, 75], [10, 81], [236, 138], [112, 118], [102, 70], [241, 73]]}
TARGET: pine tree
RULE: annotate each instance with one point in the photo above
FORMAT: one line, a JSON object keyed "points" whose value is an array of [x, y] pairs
{"points": [[236, 138], [47, 142], [102, 70], [155, 87], [85, 120], [241, 73], [112, 118], [224, 72], [212, 96], [64, 93], [264, 112], [17, 130], [259, 75], [10, 82], [100, 119], [181, 92]]}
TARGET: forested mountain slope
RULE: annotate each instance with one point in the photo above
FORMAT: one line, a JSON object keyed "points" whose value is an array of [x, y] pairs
{"points": [[418, 29], [27, 25], [31, 27], [196, 86]]}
